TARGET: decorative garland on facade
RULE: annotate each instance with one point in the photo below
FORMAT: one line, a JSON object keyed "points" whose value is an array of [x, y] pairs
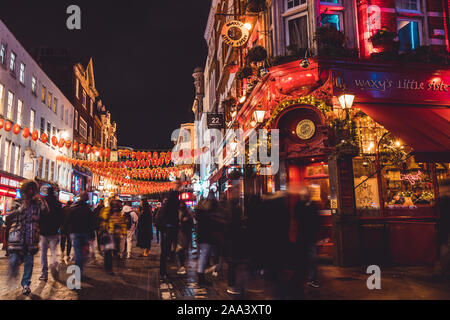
{"points": [[309, 100]]}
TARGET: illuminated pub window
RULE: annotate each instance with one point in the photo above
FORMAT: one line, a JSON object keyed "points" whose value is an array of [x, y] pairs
{"points": [[317, 179], [408, 34], [331, 20], [298, 31]]}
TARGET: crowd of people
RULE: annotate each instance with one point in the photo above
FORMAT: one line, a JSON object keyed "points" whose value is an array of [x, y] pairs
{"points": [[275, 238], [39, 222]]}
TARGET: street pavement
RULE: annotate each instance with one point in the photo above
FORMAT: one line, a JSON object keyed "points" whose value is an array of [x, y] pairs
{"points": [[139, 280]]}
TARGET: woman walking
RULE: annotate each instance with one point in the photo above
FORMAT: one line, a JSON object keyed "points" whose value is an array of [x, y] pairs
{"points": [[113, 228], [145, 228]]}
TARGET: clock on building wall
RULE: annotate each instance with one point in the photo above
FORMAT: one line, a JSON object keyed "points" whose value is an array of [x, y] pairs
{"points": [[305, 129]]}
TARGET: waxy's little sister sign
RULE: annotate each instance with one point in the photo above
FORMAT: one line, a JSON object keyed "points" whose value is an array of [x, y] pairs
{"points": [[399, 87]]}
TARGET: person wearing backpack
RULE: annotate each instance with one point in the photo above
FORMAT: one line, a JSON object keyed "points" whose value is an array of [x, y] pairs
{"points": [[131, 219]]}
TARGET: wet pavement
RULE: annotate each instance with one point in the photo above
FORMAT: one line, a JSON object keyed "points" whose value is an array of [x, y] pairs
{"points": [[139, 280]]}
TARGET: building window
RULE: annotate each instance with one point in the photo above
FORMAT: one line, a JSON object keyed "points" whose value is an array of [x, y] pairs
{"points": [[66, 116], [39, 173], [49, 101], [52, 171], [294, 3], [83, 128], [33, 85], [42, 125], [10, 110], [84, 98], [32, 116], [12, 62], [55, 105], [17, 160], [408, 34], [6, 155], [47, 162], [22, 73], [2, 97], [90, 134], [297, 31], [43, 94], [92, 108], [19, 112], [76, 120], [410, 5], [48, 130], [334, 20], [3, 53], [77, 88]]}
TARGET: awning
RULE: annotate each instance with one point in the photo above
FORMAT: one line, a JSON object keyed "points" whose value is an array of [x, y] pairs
{"points": [[425, 129]]}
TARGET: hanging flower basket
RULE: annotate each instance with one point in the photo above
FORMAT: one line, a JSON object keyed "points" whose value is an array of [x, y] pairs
{"points": [[244, 72], [256, 6], [383, 40], [257, 54]]}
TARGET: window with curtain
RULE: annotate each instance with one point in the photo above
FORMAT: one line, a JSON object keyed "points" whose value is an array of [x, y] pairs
{"points": [[10, 110], [17, 160], [298, 32], [6, 155], [19, 112], [2, 97], [32, 116]]}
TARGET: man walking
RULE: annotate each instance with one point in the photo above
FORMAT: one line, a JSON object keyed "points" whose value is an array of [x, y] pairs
{"points": [[81, 224], [23, 241], [49, 223]]}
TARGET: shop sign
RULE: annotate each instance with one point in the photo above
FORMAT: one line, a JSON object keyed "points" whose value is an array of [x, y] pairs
{"points": [[403, 87], [235, 34], [12, 183], [215, 121]]}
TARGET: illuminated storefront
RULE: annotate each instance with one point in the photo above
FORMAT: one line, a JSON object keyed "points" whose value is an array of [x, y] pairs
{"points": [[9, 186], [374, 169]]}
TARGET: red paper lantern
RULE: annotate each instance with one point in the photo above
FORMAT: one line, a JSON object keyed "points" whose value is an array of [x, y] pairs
{"points": [[54, 141], [88, 149], [68, 144], [44, 137], [8, 126], [35, 135], [133, 155], [149, 155], [16, 129], [25, 133], [81, 148], [2, 122], [138, 155]]}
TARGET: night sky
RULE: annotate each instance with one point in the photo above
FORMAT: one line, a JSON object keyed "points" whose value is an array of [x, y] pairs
{"points": [[144, 54]]}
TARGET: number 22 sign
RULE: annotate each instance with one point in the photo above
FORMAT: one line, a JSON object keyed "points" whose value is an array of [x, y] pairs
{"points": [[215, 120]]}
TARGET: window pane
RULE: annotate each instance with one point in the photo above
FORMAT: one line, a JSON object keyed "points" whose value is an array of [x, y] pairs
{"points": [[298, 32], [331, 19], [408, 35]]}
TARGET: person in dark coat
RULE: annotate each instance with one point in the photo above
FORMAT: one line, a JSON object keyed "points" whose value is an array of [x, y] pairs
{"points": [[49, 223], [81, 225], [167, 220], [97, 210], [184, 236], [66, 244], [145, 228]]}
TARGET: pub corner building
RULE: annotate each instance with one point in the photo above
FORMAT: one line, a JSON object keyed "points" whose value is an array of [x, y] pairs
{"points": [[372, 142]]}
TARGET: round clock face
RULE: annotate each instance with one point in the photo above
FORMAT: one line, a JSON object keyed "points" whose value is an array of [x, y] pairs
{"points": [[305, 129]]}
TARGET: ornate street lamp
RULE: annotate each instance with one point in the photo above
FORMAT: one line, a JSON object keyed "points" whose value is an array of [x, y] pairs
{"points": [[259, 115]]}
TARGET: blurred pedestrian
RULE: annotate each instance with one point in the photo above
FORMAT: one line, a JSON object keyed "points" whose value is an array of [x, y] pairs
{"points": [[112, 229], [23, 240], [131, 219], [157, 230], [50, 222], [97, 210], [167, 220], [81, 226], [145, 228], [66, 243], [210, 233], [308, 229], [184, 236]]}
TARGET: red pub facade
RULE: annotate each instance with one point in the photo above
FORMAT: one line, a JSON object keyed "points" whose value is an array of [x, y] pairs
{"points": [[375, 166]]}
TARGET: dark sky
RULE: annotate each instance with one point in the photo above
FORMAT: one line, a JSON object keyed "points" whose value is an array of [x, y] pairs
{"points": [[144, 53]]}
